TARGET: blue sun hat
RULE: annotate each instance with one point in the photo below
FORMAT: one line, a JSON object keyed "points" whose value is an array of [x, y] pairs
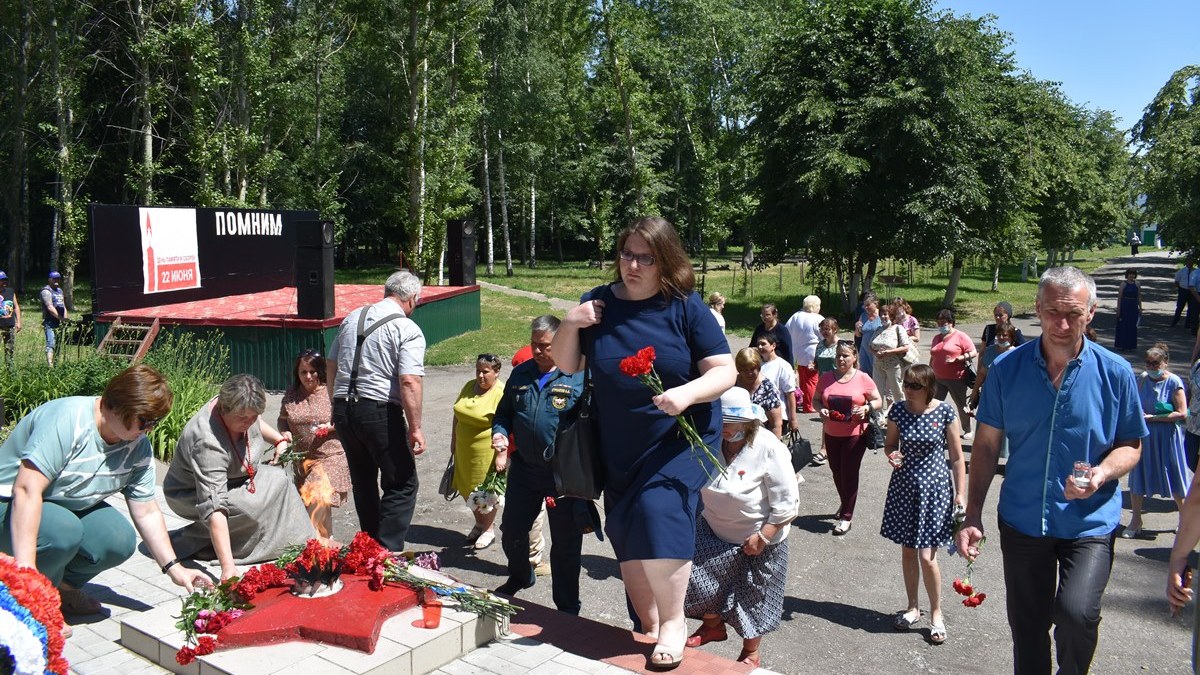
{"points": [[3, 276], [736, 406]]}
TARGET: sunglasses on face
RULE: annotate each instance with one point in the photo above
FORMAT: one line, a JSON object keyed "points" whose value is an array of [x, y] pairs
{"points": [[913, 386], [486, 357], [309, 353]]}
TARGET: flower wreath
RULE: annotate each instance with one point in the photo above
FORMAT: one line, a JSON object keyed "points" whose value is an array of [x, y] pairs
{"points": [[31, 621]]}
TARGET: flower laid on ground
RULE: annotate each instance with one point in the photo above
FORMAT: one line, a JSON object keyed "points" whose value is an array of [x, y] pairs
{"points": [[31, 622], [490, 493], [641, 366], [207, 610]]}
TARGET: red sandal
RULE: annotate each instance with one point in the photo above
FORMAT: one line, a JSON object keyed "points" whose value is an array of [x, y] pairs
{"points": [[706, 634]]}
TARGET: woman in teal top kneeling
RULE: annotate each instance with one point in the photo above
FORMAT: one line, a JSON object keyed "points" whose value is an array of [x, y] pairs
{"points": [[62, 461]]}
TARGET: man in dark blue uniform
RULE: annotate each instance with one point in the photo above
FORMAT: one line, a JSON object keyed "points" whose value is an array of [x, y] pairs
{"points": [[535, 397]]}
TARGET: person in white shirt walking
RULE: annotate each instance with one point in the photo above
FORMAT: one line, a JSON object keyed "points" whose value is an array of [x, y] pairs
{"points": [[1183, 295], [779, 371], [804, 327]]}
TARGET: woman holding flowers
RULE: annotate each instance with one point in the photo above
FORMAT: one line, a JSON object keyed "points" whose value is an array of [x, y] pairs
{"points": [[654, 473], [57, 468], [924, 491], [741, 561], [243, 507], [846, 398], [471, 441], [323, 475]]}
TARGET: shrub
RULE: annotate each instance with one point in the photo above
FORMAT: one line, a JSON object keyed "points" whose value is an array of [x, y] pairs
{"points": [[195, 367]]}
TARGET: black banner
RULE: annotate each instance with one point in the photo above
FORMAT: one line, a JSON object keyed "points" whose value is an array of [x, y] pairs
{"points": [[236, 251]]}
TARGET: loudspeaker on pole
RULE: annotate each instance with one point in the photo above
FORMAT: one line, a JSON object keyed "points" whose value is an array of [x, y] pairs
{"points": [[460, 242], [314, 269]]}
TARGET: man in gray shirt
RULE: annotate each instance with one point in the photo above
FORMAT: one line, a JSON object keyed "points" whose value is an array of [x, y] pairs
{"points": [[376, 365]]}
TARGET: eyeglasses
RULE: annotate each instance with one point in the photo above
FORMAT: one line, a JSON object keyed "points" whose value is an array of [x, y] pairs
{"points": [[309, 353], [146, 425], [643, 259], [913, 386], [487, 357]]}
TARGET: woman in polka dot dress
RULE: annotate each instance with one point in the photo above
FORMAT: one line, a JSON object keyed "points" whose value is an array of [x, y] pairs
{"points": [[919, 511]]}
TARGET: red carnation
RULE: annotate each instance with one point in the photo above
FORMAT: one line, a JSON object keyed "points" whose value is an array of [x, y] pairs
{"points": [[962, 588], [206, 645], [185, 656], [550, 503], [639, 364]]}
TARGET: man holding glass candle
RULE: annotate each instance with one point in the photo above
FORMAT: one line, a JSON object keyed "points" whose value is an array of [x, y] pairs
{"points": [[1070, 412]]}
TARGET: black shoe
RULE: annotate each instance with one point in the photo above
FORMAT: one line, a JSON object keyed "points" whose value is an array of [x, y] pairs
{"points": [[511, 588]]}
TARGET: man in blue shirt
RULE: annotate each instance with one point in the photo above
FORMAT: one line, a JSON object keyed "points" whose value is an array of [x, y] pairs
{"points": [[535, 397], [1059, 399]]}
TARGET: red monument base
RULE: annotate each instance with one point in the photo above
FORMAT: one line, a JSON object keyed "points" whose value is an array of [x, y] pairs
{"points": [[349, 618]]}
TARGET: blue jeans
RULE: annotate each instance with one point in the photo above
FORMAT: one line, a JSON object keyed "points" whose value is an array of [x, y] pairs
{"points": [[528, 486], [375, 438], [75, 546], [50, 342], [1059, 582]]}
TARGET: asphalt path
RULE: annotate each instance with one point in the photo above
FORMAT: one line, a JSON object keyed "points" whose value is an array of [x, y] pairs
{"points": [[842, 592]]}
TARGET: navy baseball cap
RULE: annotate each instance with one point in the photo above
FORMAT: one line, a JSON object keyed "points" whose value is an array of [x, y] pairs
{"points": [[54, 275]]}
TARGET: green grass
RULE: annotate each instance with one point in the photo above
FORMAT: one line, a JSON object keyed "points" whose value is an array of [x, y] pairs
{"points": [[505, 319], [745, 294]]}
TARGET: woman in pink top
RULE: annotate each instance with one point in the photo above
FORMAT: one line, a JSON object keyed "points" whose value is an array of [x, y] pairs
{"points": [[846, 398], [949, 354]]}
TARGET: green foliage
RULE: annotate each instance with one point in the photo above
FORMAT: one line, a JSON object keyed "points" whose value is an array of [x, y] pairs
{"points": [[1169, 136], [195, 368], [30, 382]]}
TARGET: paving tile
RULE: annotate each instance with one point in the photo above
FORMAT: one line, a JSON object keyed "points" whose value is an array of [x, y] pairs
{"points": [[355, 661], [437, 652], [579, 663], [318, 666], [118, 660], [536, 655], [554, 668], [134, 640], [462, 667], [485, 658], [257, 660]]}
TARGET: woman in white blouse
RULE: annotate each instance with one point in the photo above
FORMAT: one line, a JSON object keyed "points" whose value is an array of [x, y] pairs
{"points": [[741, 560]]}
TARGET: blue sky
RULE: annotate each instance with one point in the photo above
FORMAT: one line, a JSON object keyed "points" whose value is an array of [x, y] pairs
{"points": [[1106, 54]]}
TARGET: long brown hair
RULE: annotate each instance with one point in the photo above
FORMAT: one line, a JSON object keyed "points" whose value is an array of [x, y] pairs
{"points": [[676, 278]]}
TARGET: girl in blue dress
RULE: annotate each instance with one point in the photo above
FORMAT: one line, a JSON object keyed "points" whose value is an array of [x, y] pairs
{"points": [[1163, 468], [653, 479]]}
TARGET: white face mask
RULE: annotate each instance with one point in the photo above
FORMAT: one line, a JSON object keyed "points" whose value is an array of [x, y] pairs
{"points": [[1003, 344], [736, 436], [944, 329]]}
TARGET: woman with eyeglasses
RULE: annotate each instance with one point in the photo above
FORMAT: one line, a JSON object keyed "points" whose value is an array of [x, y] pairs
{"points": [[763, 391], [242, 506], [471, 440], [57, 468], [1163, 468], [653, 476], [846, 398], [923, 493], [323, 477]]}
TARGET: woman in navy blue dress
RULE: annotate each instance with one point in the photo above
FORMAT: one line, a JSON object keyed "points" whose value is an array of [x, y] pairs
{"points": [[653, 479], [1129, 312]]}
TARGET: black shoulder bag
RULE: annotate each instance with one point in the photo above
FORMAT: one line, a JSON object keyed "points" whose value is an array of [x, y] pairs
{"points": [[575, 455]]}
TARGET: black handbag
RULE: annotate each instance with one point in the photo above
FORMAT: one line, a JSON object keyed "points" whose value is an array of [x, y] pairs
{"points": [[801, 449], [969, 375], [575, 455], [446, 484], [876, 435]]}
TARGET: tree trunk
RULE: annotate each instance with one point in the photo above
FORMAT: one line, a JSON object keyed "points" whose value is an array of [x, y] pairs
{"points": [[872, 268], [508, 263], [414, 120], [487, 207], [532, 223], [626, 113], [64, 186], [141, 23], [995, 276], [17, 194], [956, 268]]}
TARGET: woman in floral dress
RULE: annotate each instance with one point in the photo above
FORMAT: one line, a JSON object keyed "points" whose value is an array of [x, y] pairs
{"points": [[924, 490], [762, 390], [323, 476]]}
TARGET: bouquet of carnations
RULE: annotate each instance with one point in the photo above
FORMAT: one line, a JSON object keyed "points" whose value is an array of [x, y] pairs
{"points": [[964, 587], [290, 455], [641, 366], [490, 493]]}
